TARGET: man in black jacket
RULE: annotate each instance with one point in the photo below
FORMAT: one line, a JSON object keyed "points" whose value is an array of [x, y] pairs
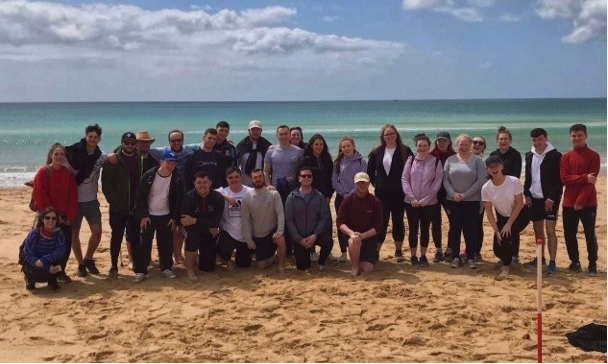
{"points": [[250, 151], [223, 145], [207, 159], [543, 192], [201, 212], [159, 198]]}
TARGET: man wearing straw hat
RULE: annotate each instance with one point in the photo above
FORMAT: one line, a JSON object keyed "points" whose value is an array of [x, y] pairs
{"points": [[144, 142]]}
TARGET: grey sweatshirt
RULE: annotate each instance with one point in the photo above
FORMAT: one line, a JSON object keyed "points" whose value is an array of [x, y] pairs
{"points": [[306, 218], [466, 178], [261, 213]]}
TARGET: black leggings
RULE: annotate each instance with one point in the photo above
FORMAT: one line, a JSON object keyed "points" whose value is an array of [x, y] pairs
{"points": [[505, 251], [436, 226], [420, 218], [34, 274], [394, 207], [463, 220], [342, 239], [67, 233]]}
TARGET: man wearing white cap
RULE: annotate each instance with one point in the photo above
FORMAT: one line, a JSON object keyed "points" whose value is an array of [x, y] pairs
{"points": [[360, 218], [250, 151]]}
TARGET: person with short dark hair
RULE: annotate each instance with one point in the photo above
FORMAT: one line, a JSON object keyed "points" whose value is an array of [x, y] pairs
{"points": [[43, 249], [543, 193], [250, 151], [360, 219], [309, 221], [579, 169], [208, 159], [281, 163], [223, 145], [202, 210]]}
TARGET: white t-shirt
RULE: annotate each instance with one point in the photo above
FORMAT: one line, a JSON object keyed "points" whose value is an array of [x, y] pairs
{"points": [[87, 190], [502, 197], [231, 219], [158, 200], [388, 159]]}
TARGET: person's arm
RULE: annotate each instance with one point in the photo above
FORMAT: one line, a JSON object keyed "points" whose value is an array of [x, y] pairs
{"points": [[342, 217], [517, 167], [435, 186], [406, 184], [528, 176], [324, 217], [290, 220], [278, 208], [57, 253], [28, 247], [519, 204], [567, 175], [589, 189], [41, 189], [141, 206], [371, 168], [107, 183], [218, 211], [335, 183], [447, 184], [246, 227], [492, 219], [72, 209], [223, 167], [558, 187], [479, 181], [378, 221], [267, 171]]}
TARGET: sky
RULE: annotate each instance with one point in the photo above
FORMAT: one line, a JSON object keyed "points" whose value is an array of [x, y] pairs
{"points": [[238, 50]]}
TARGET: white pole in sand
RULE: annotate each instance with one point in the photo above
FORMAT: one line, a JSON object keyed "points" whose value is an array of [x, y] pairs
{"points": [[539, 298]]}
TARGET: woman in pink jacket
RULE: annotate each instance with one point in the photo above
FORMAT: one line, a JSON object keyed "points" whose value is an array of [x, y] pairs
{"points": [[421, 179]]}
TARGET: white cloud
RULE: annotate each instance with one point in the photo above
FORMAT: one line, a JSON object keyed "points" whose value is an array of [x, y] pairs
{"points": [[588, 17], [464, 10], [329, 19], [509, 18], [201, 7]]}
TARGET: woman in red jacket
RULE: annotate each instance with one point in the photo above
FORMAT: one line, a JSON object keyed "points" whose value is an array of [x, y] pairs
{"points": [[55, 186]]}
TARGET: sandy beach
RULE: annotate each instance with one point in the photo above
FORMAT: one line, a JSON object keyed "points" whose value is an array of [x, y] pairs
{"points": [[398, 313]]}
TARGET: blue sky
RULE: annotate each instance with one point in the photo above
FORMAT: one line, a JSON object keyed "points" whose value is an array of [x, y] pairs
{"points": [[121, 50]]}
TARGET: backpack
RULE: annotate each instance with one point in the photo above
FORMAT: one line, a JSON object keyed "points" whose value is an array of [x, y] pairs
{"points": [[21, 260], [32, 204]]}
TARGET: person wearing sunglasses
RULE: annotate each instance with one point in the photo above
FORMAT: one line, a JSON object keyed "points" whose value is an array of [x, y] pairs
{"points": [[119, 184], [478, 146], [42, 251], [308, 221]]}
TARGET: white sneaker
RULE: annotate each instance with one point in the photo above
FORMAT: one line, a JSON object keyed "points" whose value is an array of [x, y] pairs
{"points": [[343, 258], [168, 273], [321, 268], [139, 277], [472, 264], [455, 263], [314, 257]]}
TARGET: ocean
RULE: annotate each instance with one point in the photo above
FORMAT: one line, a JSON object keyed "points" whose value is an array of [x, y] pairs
{"points": [[27, 130]]}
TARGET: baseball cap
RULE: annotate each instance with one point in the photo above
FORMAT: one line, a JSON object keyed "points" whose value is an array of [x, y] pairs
{"points": [[361, 177], [444, 135], [494, 159], [169, 156], [144, 135], [128, 136], [255, 124]]}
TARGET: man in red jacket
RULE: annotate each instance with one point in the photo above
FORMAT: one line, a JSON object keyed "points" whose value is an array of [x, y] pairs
{"points": [[578, 171]]}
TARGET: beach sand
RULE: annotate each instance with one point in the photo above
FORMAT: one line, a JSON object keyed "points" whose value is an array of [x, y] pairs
{"points": [[396, 314]]}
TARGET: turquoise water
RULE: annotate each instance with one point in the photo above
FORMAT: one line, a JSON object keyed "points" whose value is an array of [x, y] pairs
{"points": [[28, 129]]}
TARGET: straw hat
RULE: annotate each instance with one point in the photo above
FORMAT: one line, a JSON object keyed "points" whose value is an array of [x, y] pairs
{"points": [[144, 135]]}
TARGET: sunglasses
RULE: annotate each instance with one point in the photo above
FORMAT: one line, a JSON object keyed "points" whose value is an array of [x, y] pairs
{"points": [[51, 218], [306, 176], [128, 143], [176, 140], [476, 142]]}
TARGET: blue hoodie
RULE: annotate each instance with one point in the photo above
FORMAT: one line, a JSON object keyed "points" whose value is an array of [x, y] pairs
{"points": [[344, 182]]}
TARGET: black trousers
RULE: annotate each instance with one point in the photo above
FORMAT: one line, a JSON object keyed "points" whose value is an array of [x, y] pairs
{"points": [[436, 226], [480, 234], [164, 243], [505, 251], [463, 220], [587, 217], [394, 207], [302, 254], [205, 244], [34, 274], [67, 233], [119, 223], [419, 219], [226, 245], [342, 239]]}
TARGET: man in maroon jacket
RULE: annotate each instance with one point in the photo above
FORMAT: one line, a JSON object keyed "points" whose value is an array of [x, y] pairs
{"points": [[578, 171], [360, 218]]}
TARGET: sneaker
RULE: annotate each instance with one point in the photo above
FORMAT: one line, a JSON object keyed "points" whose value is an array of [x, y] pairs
{"points": [[53, 286], [504, 273], [314, 257], [533, 263], [448, 255], [592, 270], [472, 264], [343, 258], [424, 262], [63, 278], [139, 277], [515, 260], [575, 267], [551, 268], [113, 273], [399, 256], [82, 271], [414, 260], [90, 265], [29, 285], [168, 273], [455, 263], [438, 257]]}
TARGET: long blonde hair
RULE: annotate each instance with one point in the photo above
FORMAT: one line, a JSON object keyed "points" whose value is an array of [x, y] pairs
{"points": [[341, 154]]}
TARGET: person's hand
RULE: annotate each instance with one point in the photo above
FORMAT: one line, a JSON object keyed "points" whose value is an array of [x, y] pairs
{"points": [[231, 200], [39, 264], [304, 242], [498, 237], [506, 230], [311, 240], [528, 201], [271, 188], [187, 220], [251, 245], [277, 235], [54, 269], [415, 203], [458, 197], [145, 221], [356, 237], [112, 158], [578, 207], [591, 178], [548, 205], [172, 225], [214, 231]]}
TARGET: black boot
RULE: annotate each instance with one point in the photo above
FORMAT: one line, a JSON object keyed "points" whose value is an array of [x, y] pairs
{"points": [[53, 285], [30, 285]]}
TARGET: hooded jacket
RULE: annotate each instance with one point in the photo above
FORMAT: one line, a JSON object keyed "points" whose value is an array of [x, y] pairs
{"points": [[80, 160], [176, 192], [344, 180], [550, 181], [321, 170], [116, 184], [304, 219]]}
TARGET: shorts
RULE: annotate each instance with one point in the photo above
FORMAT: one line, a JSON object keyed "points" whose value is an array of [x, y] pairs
{"points": [[369, 250], [226, 244], [537, 212], [265, 248], [89, 210], [195, 239]]}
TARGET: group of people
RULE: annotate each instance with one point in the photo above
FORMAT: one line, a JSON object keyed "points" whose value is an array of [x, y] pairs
{"points": [[219, 202]]}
